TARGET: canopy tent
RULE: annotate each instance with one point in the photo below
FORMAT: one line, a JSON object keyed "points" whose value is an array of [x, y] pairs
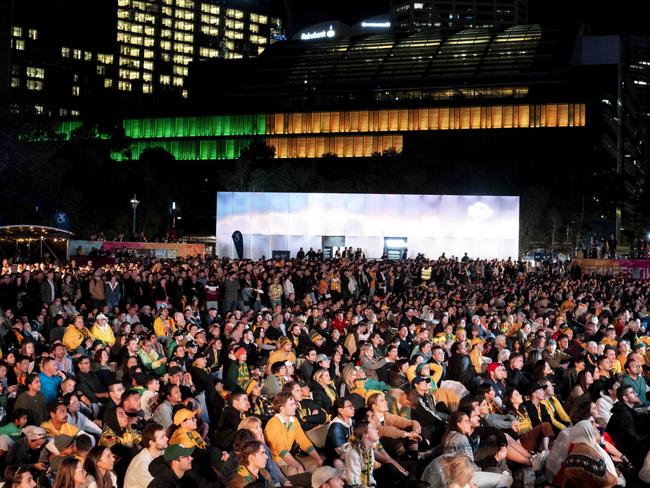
{"points": [[31, 242]]}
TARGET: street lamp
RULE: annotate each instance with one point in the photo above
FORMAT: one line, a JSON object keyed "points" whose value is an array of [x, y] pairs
{"points": [[134, 203]]}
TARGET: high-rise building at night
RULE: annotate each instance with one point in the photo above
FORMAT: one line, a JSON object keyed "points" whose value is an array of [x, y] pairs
{"points": [[410, 15], [158, 39], [58, 61]]}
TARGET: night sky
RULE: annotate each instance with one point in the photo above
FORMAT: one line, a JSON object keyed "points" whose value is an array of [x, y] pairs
{"points": [[601, 17]]}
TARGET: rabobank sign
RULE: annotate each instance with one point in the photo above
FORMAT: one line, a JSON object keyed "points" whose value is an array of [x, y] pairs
{"points": [[328, 33]]}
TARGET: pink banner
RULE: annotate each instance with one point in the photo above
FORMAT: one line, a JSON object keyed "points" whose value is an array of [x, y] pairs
{"points": [[162, 250], [635, 268]]}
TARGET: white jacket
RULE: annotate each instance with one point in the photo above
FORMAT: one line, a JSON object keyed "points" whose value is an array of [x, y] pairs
{"points": [[604, 405]]}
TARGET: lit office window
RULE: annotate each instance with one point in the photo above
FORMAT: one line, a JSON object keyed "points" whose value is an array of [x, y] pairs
{"points": [[105, 58], [206, 52], [210, 8], [237, 14], [88, 56], [209, 19], [108, 83], [19, 44], [39, 109], [165, 79], [65, 52], [32, 34], [146, 88], [36, 85], [17, 31], [209, 30], [178, 81], [33, 72], [124, 85], [77, 53], [15, 82], [75, 91]]}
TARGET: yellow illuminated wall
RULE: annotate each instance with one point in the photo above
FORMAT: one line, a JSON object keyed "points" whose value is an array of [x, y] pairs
{"points": [[342, 146], [420, 119]]}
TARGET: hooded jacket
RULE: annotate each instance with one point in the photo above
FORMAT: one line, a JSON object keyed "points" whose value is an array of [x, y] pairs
{"points": [[164, 477], [629, 431]]}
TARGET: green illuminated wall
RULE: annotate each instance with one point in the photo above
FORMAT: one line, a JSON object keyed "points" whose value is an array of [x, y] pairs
{"points": [[216, 126], [68, 126], [192, 150]]}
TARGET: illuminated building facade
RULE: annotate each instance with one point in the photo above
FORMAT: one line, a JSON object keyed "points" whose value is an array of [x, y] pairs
{"points": [[413, 15], [158, 39], [132, 54], [358, 133]]}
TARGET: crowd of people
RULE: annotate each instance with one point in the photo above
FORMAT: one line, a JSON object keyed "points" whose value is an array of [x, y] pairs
{"points": [[209, 372]]}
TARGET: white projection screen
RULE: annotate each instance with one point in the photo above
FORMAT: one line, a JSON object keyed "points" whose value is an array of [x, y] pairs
{"points": [[482, 226]]}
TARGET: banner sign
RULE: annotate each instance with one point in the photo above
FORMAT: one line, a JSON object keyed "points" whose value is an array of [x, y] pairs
{"points": [[160, 250], [635, 268], [238, 240]]}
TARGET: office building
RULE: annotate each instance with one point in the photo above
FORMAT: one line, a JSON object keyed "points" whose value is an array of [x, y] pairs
{"points": [[64, 59], [413, 15]]}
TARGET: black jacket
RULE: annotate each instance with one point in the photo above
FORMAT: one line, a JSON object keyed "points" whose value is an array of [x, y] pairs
{"points": [[535, 418], [321, 400], [629, 430], [228, 424], [164, 477]]}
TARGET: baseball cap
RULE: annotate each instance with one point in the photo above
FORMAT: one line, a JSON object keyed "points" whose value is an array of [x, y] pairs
{"points": [[101, 316], [534, 386], [493, 367], [419, 379], [199, 355], [62, 442], [33, 432], [322, 475], [321, 357], [175, 451], [182, 415]]}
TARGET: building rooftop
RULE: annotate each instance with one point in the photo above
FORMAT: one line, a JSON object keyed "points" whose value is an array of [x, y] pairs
{"points": [[422, 65]]}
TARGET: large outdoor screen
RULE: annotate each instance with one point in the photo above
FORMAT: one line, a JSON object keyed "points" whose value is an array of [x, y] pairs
{"points": [[481, 226]]}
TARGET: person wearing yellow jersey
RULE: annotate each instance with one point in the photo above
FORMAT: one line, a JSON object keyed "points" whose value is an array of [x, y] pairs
{"points": [[102, 331], [58, 423], [609, 338], [623, 351], [560, 420], [476, 355], [75, 335], [425, 274], [610, 352], [283, 431], [164, 325], [186, 434], [283, 353], [532, 437], [118, 436], [251, 472]]}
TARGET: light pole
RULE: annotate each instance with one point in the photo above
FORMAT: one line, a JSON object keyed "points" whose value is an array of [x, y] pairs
{"points": [[134, 203]]}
